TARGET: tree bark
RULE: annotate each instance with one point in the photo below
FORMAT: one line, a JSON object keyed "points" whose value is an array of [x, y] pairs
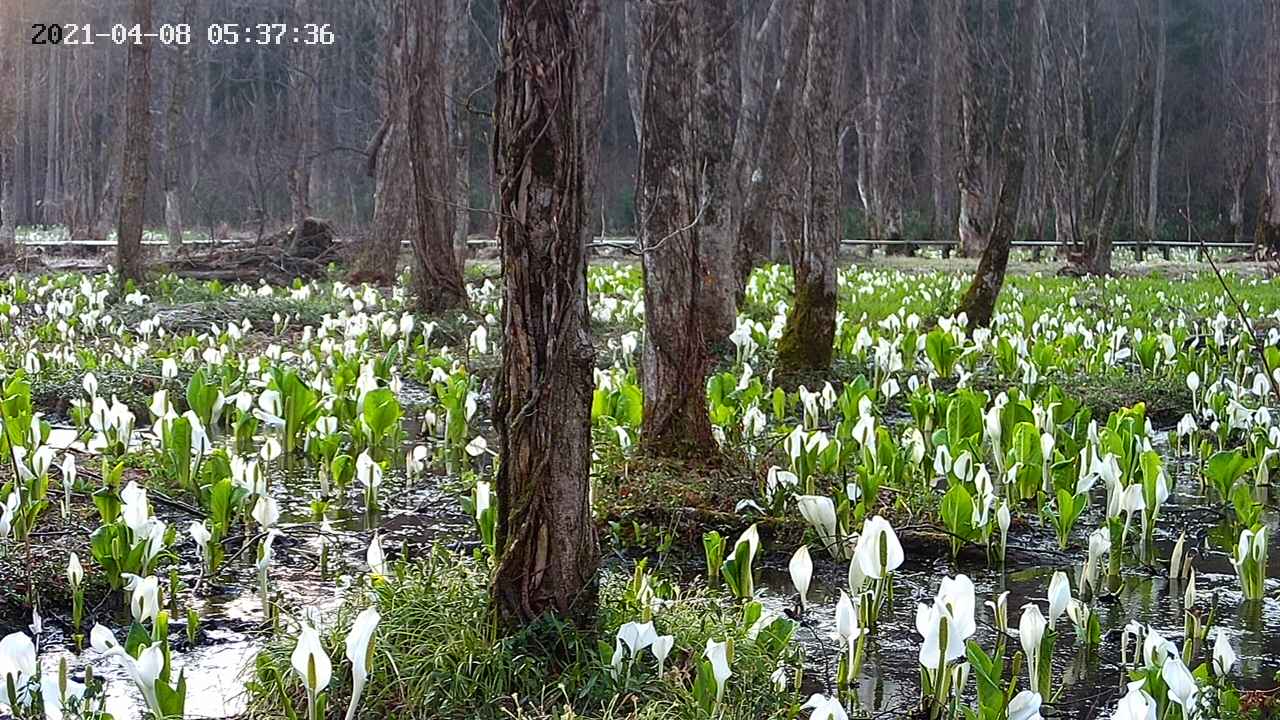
{"points": [[137, 149], [394, 213], [542, 408], [978, 303], [437, 274], [880, 122], [973, 226], [717, 101], [808, 338], [763, 194], [8, 134], [1098, 241], [1157, 118], [459, 49], [52, 203], [942, 21], [592, 78], [173, 135], [1268, 235], [675, 359], [303, 91]]}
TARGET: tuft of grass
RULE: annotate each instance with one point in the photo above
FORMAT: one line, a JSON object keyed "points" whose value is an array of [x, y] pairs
{"points": [[438, 655]]}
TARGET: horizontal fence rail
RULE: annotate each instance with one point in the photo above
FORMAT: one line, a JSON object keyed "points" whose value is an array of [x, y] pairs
{"points": [[626, 242]]}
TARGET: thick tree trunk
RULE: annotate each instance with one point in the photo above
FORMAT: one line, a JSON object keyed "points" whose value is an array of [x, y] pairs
{"points": [[542, 410], [973, 225], [763, 191], [106, 212], [1268, 236], [675, 359], [634, 20], [719, 203], [458, 39], [394, 213], [173, 136], [880, 122], [437, 274], [137, 149], [1098, 242], [808, 337], [979, 302]]}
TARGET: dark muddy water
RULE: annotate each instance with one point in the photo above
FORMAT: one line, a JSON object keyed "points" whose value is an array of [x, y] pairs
{"points": [[1090, 680]]}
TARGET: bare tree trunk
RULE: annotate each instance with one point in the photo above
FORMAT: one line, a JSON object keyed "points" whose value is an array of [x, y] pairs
{"points": [[173, 136], [1157, 117], [437, 276], [542, 410], [675, 360], [763, 189], [1098, 241], [979, 302], [942, 22], [52, 203], [1268, 236], [718, 200], [303, 88], [459, 49], [137, 149], [394, 213], [634, 20], [808, 337], [880, 122], [592, 76], [8, 134], [974, 223]]}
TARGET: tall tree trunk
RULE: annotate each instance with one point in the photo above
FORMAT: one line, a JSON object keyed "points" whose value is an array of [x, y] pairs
{"points": [[542, 410], [173, 135], [808, 337], [8, 133], [52, 202], [675, 360], [880, 122], [942, 22], [593, 69], [1268, 235], [303, 89], [394, 213], [137, 149], [1157, 118], [763, 189], [437, 275], [973, 225], [1098, 242], [457, 117], [719, 204], [979, 302]]}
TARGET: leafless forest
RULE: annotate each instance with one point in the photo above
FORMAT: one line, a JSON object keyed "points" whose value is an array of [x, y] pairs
{"points": [[1136, 114]]}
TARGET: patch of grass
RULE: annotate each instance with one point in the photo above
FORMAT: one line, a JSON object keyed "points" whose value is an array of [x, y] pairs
{"points": [[438, 656], [52, 542]]}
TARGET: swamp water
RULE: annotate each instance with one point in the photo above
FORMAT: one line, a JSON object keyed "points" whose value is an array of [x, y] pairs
{"points": [[425, 512]]}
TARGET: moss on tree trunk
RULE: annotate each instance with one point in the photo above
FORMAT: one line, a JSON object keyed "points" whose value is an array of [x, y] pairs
{"points": [[808, 339]]}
